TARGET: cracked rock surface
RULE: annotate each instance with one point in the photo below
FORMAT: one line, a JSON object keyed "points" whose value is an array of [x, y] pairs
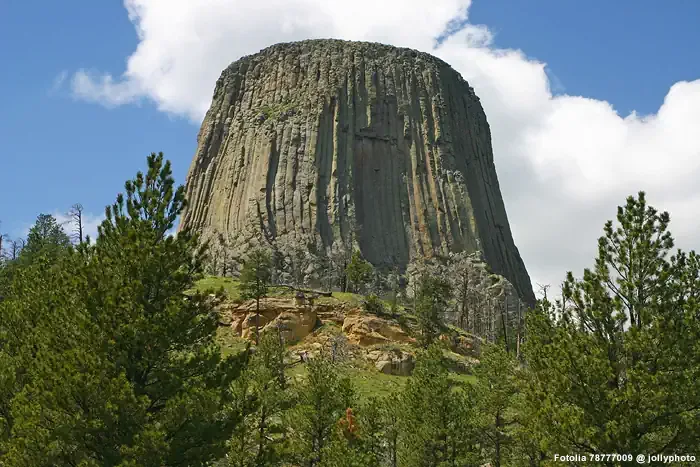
{"points": [[381, 147]]}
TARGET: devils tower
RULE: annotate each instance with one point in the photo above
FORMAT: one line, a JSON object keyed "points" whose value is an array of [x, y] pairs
{"points": [[327, 141]]}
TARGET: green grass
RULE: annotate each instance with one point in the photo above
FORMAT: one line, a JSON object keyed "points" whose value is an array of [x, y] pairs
{"points": [[230, 343], [232, 288], [341, 297], [367, 382], [371, 383], [296, 372], [462, 379], [213, 284]]}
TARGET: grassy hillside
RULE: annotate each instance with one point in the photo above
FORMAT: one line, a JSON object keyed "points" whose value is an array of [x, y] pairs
{"points": [[368, 380]]}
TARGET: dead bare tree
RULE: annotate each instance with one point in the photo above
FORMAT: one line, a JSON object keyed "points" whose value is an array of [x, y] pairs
{"points": [[492, 319], [223, 252], [15, 247], [3, 238], [520, 330], [504, 318], [76, 216], [339, 348]]}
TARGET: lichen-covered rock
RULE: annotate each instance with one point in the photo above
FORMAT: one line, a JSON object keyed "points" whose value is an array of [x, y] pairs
{"points": [[380, 147], [365, 330], [293, 321], [461, 344], [327, 140], [295, 326], [392, 362]]}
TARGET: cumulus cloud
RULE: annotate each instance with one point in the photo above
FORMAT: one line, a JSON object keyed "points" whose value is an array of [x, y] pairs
{"points": [[564, 162], [184, 45]]}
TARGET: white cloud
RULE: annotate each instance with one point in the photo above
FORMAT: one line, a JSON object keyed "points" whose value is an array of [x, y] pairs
{"points": [[184, 45], [564, 162]]}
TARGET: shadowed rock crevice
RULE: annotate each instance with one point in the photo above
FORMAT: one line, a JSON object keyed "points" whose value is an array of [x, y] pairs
{"points": [[344, 141]]}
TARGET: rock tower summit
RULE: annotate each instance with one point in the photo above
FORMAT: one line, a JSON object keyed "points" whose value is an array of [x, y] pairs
{"points": [[325, 141]]}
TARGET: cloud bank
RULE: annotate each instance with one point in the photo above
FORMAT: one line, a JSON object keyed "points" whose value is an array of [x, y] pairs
{"points": [[564, 162]]}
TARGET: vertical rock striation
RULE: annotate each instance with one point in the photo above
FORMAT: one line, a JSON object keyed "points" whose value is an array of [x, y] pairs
{"points": [[326, 140]]}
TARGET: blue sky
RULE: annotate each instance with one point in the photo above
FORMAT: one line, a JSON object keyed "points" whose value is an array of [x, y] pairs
{"points": [[56, 150], [627, 52], [59, 147]]}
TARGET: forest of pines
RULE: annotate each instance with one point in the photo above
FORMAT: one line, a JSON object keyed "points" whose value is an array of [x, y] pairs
{"points": [[108, 357]]}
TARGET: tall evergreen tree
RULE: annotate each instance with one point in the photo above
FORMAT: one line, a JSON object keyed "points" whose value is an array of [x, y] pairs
{"points": [[322, 400], [255, 280], [46, 237], [496, 390], [431, 302], [614, 365], [261, 398], [39, 318], [127, 371], [437, 418]]}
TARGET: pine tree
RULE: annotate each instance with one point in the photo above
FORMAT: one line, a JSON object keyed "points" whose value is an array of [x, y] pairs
{"points": [[124, 368], [261, 398], [358, 271], [321, 401], [254, 282], [496, 390], [39, 319], [613, 366], [431, 302], [437, 419], [47, 238]]}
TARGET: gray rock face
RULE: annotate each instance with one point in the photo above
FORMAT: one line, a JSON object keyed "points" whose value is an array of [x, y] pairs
{"points": [[321, 141]]}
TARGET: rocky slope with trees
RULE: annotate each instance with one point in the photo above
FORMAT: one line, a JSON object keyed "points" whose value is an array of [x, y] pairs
{"points": [[109, 356]]}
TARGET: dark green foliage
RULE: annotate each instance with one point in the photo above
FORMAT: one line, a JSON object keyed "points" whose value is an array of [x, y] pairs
{"points": [[432, 299], [495, 391], [373, 305], [39, 319], [321, 401], [614, 365], [255, 280], [358, 271], [46, 237], [390, 413], [371, 431], [260, 399], [108, 361], [437, 420]]}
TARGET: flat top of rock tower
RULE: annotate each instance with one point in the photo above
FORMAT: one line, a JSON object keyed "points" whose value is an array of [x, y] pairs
{"points": [[324, 49], [370, 49]]}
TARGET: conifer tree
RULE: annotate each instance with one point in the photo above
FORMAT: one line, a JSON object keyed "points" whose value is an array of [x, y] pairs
{"points": [[613, 366], [358, 271], [437, 419], [38, 314], [46, 237], [261, 399], [255, 280], [496, 390], [431, 302], [125, 370], [321, 401]]}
